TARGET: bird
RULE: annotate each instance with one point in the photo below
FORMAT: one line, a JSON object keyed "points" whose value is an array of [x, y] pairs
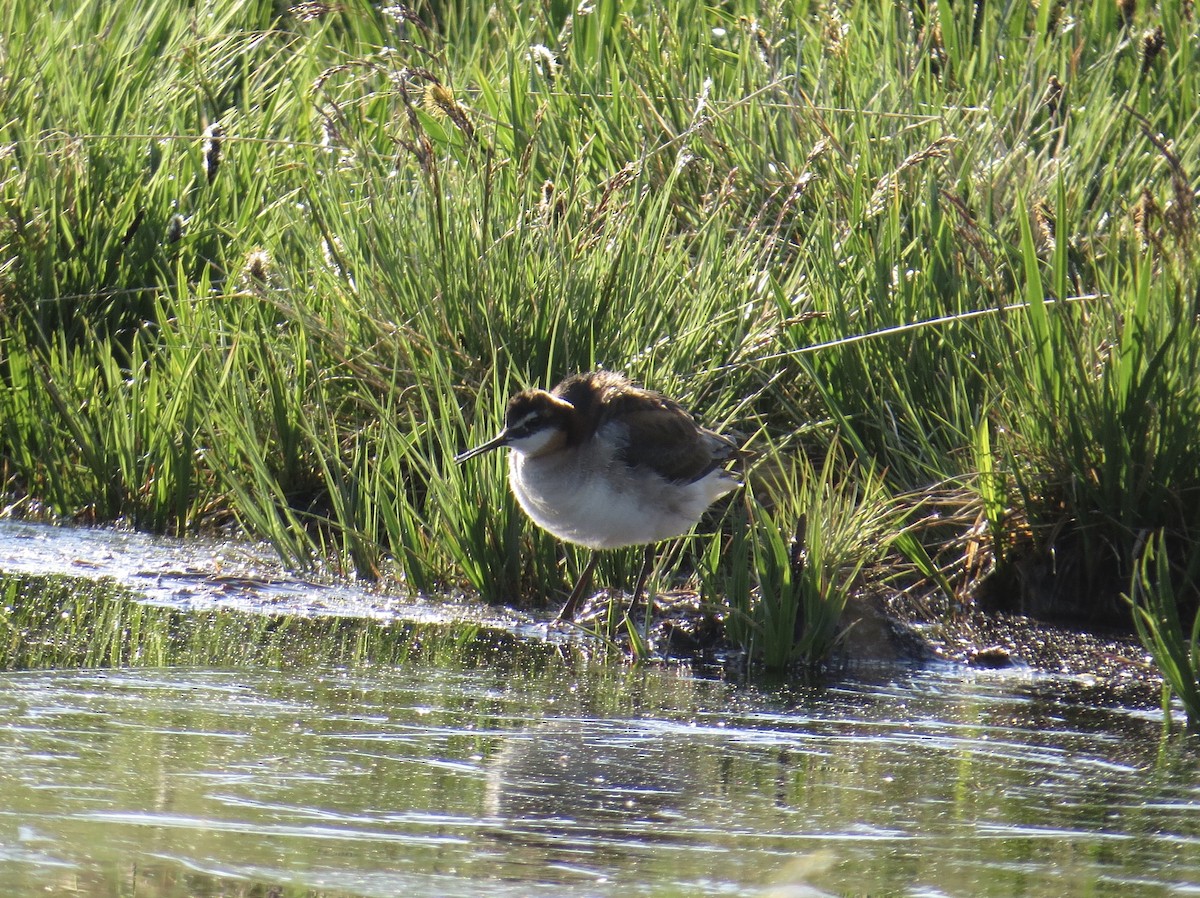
{"points": [[602, 463]]}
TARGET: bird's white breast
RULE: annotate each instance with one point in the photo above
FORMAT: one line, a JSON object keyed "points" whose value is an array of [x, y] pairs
{"points": [[587, 496]]}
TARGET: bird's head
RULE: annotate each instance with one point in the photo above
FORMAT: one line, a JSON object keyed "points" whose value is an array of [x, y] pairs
{"points": [[536, 423]]}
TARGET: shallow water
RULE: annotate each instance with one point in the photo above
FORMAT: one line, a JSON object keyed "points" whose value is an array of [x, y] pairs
{"points": [[583, 782], [199, 574], [551, 778]]}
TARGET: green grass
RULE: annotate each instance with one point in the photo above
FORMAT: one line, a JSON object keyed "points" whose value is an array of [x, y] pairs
{"points": [[796, 557], [1156, 615], [948, 245]]}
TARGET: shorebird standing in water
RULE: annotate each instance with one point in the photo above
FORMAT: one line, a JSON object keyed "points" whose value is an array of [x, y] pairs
{"points": [[602, 463]]}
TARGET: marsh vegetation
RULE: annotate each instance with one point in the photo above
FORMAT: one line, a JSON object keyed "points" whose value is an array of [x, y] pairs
{"points": [[269, 268]]}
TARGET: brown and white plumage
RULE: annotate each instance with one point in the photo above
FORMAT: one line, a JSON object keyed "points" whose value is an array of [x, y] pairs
{"points": [[602, 463]]}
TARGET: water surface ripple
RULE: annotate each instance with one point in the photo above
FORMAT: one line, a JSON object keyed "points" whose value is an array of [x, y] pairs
{"points": [[447, 782]]}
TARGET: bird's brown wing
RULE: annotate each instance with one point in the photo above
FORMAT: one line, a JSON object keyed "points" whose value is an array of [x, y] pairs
{"points": [[662, 436]]}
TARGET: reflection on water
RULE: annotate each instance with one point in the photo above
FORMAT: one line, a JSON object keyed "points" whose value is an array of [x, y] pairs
{"points": [[582, 778], [596, 782]]}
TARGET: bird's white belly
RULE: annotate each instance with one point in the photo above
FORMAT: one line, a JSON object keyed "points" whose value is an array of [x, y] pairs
{"points": [[606, 509]]}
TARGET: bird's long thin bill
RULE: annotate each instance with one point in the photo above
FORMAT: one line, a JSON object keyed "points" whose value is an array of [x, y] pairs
{"points": [[494, 443]]}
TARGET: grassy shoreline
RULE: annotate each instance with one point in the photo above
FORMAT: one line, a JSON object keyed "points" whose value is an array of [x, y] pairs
{"points": [[271, 268]]}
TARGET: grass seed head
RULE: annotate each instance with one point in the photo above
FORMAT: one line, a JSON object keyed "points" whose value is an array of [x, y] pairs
{"points": [[552, 205], [1144, 212], [1043, 217], [1153, 41], [312, 10], [1053, 97], [256, 271], [937, 46], [762, 43], [836, 31], [175, 228], [211, 150], [544, 60], [439, 101], [820, 148], [1180, 213], [404, 16]]}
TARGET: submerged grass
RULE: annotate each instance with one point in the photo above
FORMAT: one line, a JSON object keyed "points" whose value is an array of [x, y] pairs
{"points": [[272, 267]]}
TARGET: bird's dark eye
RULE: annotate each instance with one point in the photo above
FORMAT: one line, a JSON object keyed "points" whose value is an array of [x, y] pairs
{"points": [[526, 425]]}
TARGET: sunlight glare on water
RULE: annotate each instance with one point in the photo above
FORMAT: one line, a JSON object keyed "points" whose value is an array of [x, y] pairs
{"points": [[597, 782]]}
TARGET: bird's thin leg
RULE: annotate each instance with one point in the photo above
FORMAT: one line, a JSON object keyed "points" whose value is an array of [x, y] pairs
{"points": [[647, 567], [585, 578]]}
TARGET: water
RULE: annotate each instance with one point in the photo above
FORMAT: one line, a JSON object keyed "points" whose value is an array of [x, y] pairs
{"points": [[552, 778], [203, 575], [585, 781]]}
